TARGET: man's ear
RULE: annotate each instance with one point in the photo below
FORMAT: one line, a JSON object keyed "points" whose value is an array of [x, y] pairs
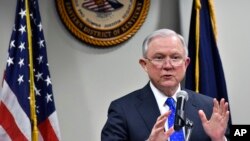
{"points": [[143, 64], [187, 62]]}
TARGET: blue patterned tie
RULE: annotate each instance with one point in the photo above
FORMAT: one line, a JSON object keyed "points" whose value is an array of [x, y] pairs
{"points": [[177, 135]]}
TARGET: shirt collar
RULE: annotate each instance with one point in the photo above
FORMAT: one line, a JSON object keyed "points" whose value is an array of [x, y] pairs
{"points": [[161, 97]]}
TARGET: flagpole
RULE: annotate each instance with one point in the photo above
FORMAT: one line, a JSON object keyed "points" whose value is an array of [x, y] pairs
{"points": [[197, 38], [31, 76]]}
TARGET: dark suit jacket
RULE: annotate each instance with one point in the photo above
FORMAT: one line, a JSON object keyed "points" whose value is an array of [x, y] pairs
{"points": [[132, 117]]}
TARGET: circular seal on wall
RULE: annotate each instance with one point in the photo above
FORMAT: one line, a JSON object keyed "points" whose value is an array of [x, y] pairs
{"points": [[103, 23]]}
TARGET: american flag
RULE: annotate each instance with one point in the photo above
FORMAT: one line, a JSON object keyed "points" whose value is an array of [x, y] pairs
{"points": [[27, 109]]}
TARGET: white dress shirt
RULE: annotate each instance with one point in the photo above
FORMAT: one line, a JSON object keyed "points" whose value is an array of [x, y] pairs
{"points": [[161, 99]]}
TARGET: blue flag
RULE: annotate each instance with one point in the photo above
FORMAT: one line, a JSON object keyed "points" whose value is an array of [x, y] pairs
{"points": [[205, 72]]}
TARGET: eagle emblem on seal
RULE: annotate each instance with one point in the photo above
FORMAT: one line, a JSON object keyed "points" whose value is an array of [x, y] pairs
{"points": [[102, 6]]}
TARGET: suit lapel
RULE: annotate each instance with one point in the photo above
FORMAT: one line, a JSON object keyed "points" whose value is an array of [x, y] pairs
{"points": [[147, 107]]}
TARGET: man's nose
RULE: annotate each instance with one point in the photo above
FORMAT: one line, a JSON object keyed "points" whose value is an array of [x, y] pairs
{"points": [[167, 63]]}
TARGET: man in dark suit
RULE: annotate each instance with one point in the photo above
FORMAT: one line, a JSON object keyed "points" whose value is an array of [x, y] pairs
{"points": [[142, 114]]}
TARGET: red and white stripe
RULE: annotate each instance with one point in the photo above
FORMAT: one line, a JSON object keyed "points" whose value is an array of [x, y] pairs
{"points": [[49, 129], [15, 125]]}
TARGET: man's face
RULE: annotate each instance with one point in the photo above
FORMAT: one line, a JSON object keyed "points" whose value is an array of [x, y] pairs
{"points": [[166, 62]]}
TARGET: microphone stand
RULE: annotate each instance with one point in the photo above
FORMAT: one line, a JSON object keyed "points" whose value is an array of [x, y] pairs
{"points": [[189, 125]]}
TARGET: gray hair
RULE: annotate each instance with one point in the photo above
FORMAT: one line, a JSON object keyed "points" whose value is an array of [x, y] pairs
{"points": [[161, 33]]}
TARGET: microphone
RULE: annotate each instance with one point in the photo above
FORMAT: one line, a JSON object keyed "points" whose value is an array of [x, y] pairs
{"points": [[179, 121]]}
